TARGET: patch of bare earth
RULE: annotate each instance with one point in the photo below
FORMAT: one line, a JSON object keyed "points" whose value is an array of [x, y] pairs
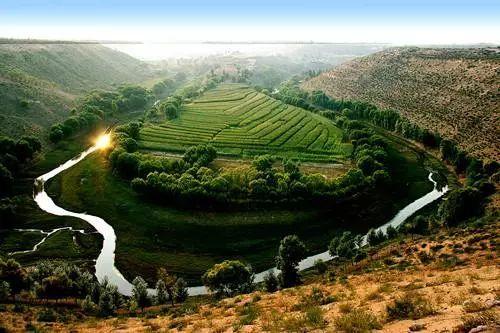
{"points": [[447, 282]]}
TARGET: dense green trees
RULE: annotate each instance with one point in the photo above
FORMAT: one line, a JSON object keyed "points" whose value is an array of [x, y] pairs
{"points": [[460, 205], [290, 252], [97, 106], [191, 182], [14, 156], [228, 278], [346, 246]]}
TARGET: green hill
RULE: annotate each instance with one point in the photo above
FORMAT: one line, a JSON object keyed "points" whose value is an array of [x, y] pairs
{"points": [[451, 91], [238, 120], [39, 82]]}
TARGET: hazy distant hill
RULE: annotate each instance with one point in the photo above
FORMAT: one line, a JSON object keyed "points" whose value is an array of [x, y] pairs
{"points": [[39, 82], [453, 91]]}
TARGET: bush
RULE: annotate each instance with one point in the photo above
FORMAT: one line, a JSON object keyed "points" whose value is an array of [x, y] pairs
{"points": [[180, 290], [320, 266], [228, 278], [270, 282], [47, 315], [314, 317], [357, 321], [485, 318], [140, 292], [410, 306], [88, 306]]}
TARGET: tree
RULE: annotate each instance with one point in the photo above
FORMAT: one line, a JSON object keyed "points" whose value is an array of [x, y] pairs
{"points": [[4, 290], [391, 232], [56, 286], [12, 273], [140, 292], [106, 304], [228, 278], [6, 178], [203, 155], [290, 252], [460, 205], [169, 281], [270, 282], [127, 164], [375, 237], [56, 134], [161, 293], [420, 225], [320, 266], [263, 163], [180, 290], [345, 246]]}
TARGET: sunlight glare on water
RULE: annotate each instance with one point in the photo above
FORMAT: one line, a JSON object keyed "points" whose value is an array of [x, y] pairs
{"points": [[103, 141]]}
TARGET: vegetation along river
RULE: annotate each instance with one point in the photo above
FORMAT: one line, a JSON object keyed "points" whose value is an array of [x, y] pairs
{"points": [[105, 263]]}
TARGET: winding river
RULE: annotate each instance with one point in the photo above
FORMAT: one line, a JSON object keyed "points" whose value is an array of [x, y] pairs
{"points": [[105, 262]]}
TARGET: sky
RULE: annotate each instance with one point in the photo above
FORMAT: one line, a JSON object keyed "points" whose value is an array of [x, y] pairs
{"points": [[384, 21]]}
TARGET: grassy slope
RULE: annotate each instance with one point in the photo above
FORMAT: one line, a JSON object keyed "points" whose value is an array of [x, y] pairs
{"points": [[237, 120], [48, 77], [451, 91]]}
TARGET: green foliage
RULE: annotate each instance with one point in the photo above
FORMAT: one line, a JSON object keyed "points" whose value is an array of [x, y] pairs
{"points": [[228, 278], [201, 155], [290, 252], [12, 273], [345, 246], [161, 292], [460, 205], [271, 282], [375, 238], [320, 266], [140, 292], [237, 120], [180, 290], [4, 290]]}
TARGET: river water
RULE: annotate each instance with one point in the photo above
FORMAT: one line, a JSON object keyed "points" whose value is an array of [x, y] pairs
{"points": [[105, 262]]}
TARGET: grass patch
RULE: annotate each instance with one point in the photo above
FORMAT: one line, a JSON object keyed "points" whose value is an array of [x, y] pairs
{"points": [[357, 321]]}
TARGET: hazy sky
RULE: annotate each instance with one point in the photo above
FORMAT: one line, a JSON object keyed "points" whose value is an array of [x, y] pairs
{"points": [[402, 22]]}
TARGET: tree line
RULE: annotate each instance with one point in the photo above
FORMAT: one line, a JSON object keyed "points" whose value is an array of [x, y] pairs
{"points": [[15, 154], [97, 106], [190, 182]]}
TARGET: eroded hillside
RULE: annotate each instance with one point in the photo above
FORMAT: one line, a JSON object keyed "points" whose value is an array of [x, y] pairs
{"points": [[452, 91]]}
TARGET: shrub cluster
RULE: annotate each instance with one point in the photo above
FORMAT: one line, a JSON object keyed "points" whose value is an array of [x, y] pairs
{"points": [[14, 155], [98, 105]]}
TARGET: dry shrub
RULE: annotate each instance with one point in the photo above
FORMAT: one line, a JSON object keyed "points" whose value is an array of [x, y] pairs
{"points": [[357, 321], [410, 306]]}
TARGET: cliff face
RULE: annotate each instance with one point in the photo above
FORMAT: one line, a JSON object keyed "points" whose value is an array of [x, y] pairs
{"points": [[455, 92]]}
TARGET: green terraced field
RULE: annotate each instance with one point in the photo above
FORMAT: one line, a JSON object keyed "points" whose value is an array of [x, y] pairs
{"points": [[239, 121]]}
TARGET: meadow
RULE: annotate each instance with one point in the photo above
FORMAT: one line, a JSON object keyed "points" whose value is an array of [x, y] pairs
{"points": [[240, 121]]}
